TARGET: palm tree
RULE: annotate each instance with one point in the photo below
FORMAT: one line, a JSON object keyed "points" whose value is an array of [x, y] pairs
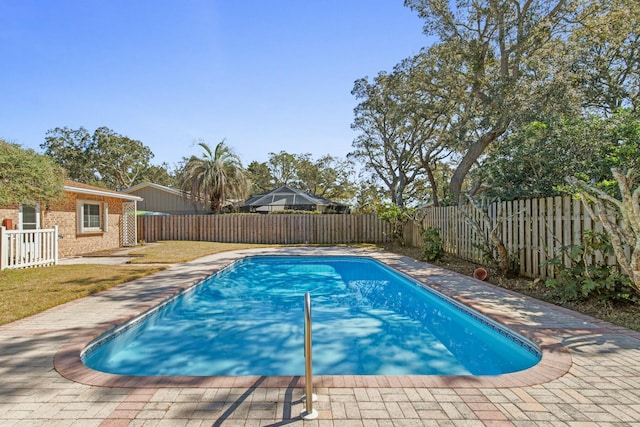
{"points": [[216, 177]]}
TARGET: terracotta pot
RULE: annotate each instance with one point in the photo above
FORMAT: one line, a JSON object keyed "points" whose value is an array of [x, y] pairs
{"points": [[480, 273]]}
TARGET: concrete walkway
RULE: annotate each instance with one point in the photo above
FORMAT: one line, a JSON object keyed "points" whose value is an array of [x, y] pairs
{"points": [[589, 373]]}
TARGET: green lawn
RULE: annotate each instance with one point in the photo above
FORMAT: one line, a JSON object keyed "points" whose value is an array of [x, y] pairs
{"points": [[173, 252], [28, 291]]}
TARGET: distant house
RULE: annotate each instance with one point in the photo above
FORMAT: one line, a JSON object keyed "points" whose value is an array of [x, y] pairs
{"points": [[88, 218], [161, 199], [286, 198]]}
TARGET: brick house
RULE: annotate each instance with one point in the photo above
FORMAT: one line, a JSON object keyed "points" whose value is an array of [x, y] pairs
{"points": [[89, 219]]}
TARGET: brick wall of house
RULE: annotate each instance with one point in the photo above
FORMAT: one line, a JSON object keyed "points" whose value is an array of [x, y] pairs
{"points": [[10, 213], [64, 215]]}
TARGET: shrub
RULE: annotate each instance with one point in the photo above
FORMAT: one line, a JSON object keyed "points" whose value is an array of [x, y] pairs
{"points": [[397, 216], [432, 244], [583, 279]]}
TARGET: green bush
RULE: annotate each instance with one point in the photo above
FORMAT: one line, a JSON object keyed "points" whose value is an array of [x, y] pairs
{"points": [[397, 216], [581, 280], [431, 244]]}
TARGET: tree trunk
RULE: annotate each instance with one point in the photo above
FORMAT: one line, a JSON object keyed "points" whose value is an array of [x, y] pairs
{"points": [[434, 187], [470, 157]]}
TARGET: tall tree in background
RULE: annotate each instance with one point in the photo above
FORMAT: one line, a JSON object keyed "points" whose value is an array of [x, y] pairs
{"points": [[260, 176], [283, 168], [27, 177], [532, 162], [494, 50], [104, 158], [329, 176], [382, 145], [73, 149], [402, 118], [604, 55], [598, 68], [369, 195], [163, 174], [119, 160], [215, 177]]}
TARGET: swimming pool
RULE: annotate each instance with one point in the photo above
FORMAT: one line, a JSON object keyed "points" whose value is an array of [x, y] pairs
{"points": [[367, 319]]}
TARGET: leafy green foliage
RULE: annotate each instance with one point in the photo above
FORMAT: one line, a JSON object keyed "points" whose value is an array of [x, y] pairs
{"points": [[400, 119], [119, 161], [368, 196], [431, 244], [215, 177], [161, 175], [533, 162], [27, 177], [582, 278], [104, 158], [496, 57], [397, 216], [512, 87], [328, 176], [260, 177], [603, 55]]}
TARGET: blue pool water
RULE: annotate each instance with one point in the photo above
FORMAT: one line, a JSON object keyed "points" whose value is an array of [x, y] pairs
{"points": [[367, 319]]}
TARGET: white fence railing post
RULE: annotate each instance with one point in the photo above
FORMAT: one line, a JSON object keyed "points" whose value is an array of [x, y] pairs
{"points": [[28, 248], [4, 248], [55, 245]]}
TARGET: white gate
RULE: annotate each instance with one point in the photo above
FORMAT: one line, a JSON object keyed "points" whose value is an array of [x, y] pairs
{"points": [[129, 233], [28, 248]]}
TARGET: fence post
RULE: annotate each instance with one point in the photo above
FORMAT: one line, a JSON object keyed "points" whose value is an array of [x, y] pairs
{"points": [[55, 245], [4, 248]]}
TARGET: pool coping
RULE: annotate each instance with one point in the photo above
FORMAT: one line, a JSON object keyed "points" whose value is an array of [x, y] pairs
{"points": [[556, 359]]}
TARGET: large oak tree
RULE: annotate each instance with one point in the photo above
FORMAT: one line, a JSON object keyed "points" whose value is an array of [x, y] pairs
{"points": [[496, 54], [104, 158]]}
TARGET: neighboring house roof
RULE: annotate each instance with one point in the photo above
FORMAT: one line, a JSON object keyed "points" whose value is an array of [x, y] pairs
{"points": [[158, 198], [77, 187], [286, 196], [158, 187], [155, 186]]}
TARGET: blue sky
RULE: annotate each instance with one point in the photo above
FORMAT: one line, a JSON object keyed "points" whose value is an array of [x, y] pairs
{"points": [[267, 75]]}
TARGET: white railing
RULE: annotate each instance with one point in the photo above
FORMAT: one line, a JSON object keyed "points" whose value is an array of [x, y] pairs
{"points": [[28, 248]]}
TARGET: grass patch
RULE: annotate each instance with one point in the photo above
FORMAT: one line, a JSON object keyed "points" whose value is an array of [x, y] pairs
{"points": [[28, 291], [25, 292], [174, 251]]}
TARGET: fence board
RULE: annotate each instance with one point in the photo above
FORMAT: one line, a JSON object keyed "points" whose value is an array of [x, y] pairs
{"points": [[521, 248], [549, 233], [267, 229], [532, 230]]}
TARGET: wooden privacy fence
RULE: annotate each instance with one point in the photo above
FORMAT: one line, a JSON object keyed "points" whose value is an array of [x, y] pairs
{"points": [[28, 248], [267, 229], [532, 230]]}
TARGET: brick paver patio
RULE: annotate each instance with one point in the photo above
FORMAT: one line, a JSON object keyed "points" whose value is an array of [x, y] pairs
{"points": [[589, 374]]}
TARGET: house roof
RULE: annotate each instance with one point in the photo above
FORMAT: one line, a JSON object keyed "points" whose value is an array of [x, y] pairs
{"points": [[154, 186], [288, 196], [80, 188], [169, 190]]}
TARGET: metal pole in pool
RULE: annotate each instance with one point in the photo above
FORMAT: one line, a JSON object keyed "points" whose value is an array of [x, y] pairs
{"points": [[309, 413]]}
